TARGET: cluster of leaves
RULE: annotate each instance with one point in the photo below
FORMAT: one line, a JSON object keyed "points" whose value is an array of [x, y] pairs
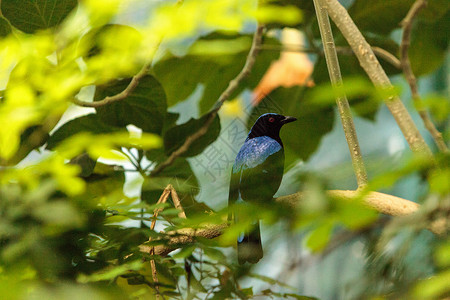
{"points": [[63, 217]]}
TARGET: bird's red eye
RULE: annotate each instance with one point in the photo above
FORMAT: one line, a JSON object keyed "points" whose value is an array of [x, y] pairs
{"points": [[271, 120]]}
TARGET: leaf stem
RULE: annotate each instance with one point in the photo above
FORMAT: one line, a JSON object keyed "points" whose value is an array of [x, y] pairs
{"points": [[341, 99]]}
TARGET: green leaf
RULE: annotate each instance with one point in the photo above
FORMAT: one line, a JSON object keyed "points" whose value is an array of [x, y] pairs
{"points": [[442, 254], [32, 15], [300, 297], [215, 254], [434, 287], [176, 136], [86, 163], [379, 16], [145, 107], [270, 280], [5, 28], [104, 180], [89, 123], [354, 214], [185, 252], [111, 273], [320, 236], [58, 216], [91, 43], [213, 70], [429, 44], [434, 10], [311, 125]]}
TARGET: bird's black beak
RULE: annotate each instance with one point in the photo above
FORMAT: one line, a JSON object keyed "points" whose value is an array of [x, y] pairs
{"points": [[288, 119]]}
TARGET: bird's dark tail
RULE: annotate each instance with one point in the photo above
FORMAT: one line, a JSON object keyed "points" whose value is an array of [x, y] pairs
{"points": [[249, 247]]}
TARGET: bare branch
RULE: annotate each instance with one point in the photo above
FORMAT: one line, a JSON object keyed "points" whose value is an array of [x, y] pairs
{"points": [[383, 203], [376, 73], [341, 99], [232, 86], [177, 202], [162, 199], [120, 96], [411, 79], [387, 56]]}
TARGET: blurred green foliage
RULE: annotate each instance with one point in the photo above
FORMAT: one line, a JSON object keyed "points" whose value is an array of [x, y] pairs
{"points": [[69, 228]]}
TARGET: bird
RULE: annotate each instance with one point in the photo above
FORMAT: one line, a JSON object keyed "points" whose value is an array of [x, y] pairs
{"points": [[255, 178]]}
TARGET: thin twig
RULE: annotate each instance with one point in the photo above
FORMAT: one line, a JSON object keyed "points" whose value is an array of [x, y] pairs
{"points": [[162, 199], [177, 202], [232, 86], [120, 96], [341, 99], [377, 75], [387, 56], [411, 78]]}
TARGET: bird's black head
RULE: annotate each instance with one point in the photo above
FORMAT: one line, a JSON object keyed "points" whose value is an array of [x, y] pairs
{"points": [[269, 125]]}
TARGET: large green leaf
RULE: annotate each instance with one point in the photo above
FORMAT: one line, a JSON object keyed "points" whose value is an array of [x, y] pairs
{"points": [[32, 15], [302, 137], [382, 16], [89, 123], [429, 44], [379, 16], [145, 107], [180, 76], [5, 28], [176, 136]]}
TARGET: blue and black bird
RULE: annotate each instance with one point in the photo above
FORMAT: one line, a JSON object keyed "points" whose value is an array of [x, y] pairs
{"points": [[256, 177]]}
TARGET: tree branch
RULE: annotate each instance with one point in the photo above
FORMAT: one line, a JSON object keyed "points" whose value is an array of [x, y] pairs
{"points": [[232, 86], [376, 73], [341, 99], [411, 79], [120, 96], [383, 203]]}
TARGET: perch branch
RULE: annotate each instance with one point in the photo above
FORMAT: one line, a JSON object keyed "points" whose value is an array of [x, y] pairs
{"points": [[377, 75], [411, 78], [383, 203], [341, 99], [232, 86]]}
